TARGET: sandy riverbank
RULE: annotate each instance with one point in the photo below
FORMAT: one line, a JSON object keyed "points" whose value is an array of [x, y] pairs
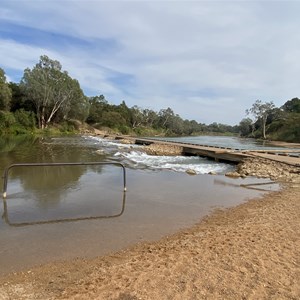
{"points": [[248, 252], [285, 144]]}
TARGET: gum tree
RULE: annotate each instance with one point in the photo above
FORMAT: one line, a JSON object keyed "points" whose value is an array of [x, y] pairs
{"points": [[261, 110], [52, 91]]}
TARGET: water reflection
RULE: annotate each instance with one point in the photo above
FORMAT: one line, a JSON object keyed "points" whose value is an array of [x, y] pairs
{"points": [[47, 185], [34, 149], [8, 143], [42, 196], [5, 216]]}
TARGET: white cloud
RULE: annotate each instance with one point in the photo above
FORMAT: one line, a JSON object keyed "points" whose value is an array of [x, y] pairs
{"points": [[216, 56], [20, 56]]}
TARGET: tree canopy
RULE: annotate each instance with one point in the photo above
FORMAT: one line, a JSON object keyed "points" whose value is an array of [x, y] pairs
{"points": [[5, 92], [52, 91], [261, 110], [275, 123], [48, 95]]}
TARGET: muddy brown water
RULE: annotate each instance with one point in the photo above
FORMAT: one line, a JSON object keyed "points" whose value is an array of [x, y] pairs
{"points": [[60, 213]]}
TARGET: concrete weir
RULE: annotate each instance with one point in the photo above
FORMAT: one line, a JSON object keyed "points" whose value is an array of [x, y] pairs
{"points": [[291, 157], [216, 153]]}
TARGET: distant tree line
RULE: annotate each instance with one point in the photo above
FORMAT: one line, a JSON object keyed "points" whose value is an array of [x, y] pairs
{"points": [[48, 97]]}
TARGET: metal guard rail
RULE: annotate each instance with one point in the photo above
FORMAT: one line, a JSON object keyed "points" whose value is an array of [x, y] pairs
{"points": [[6, 171], [6, 217]]}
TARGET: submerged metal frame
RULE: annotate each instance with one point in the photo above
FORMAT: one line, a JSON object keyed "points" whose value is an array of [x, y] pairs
{"points": [[6, 171], [65, 220], [5, 181]]}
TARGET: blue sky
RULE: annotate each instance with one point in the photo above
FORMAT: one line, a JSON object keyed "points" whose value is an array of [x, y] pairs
{"points": [[207, 60]]}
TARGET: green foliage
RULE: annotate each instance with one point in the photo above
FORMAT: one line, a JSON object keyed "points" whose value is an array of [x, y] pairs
{"points": [[67, 127], [148, 131], [7, 120], [97, 105], [136, 120], [79, 108], [47, 95], [53, 92], [25, 119], [222, 128], [286, 130], [261, 110], [19, 100], [124, 129], [292, 106], [112, 119], [5, 92], [124, 111], [20, 122], [245, 127], [281, 124]]}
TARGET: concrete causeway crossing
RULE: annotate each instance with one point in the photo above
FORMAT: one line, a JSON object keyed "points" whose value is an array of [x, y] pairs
{"points": [[291, 157]]}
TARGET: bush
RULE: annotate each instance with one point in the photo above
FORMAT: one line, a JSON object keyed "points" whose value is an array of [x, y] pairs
{"points": [[7, 121], [67, 127], [124, 129], [25, 118]]}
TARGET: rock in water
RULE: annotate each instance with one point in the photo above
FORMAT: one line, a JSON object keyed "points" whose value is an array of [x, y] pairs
{"points": [[191, 172], [212, 173], [233, 174], [100, 151]]}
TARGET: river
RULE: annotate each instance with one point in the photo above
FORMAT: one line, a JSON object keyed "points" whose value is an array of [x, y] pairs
{"points": [[227, 141], [64, 212]]}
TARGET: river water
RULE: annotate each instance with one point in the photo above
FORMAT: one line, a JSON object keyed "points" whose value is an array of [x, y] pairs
{"points": [[63, 212], [226, 141]]}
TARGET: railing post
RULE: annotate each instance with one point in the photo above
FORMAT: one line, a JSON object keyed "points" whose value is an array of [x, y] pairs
{"points": [[5, 178]]}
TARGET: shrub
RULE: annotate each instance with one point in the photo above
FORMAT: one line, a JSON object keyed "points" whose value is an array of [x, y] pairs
{"points": [[7, 121], [25, 119]]}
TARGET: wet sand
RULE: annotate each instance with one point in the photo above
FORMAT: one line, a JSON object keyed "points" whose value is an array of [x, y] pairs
{"points": [[251, 251]]}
